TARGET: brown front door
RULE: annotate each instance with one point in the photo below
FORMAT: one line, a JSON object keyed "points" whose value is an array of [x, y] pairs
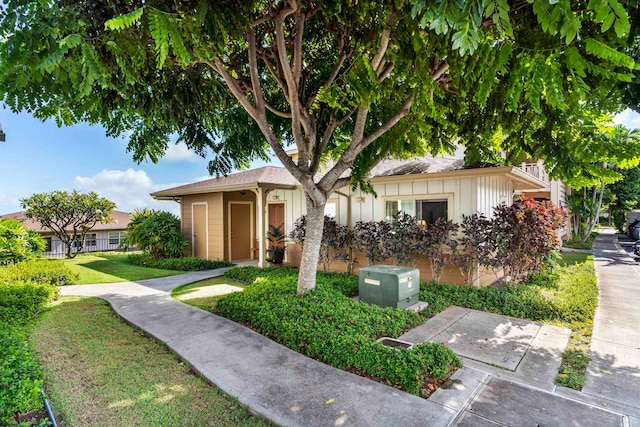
{"points": [[199, 237], [240, 231], [276, 215]]}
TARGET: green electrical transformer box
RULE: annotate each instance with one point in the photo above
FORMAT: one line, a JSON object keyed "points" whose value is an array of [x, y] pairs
{"points": [[389, 286]]}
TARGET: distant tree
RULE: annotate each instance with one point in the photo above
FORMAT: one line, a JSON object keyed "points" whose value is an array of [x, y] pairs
{"points": [[70, 216], [156, 232], [18, 243]]}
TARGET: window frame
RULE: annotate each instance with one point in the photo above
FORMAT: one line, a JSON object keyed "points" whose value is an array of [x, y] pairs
{"points": [[120, 235], [440, 197], [88, 241]]}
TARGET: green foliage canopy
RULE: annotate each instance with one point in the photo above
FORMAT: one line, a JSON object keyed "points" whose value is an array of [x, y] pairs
{"points": [[352, 81]]}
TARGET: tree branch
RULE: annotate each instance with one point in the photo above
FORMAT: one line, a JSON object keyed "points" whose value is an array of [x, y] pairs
{"points": [[253, 70], [219, 67], [277, 112]]}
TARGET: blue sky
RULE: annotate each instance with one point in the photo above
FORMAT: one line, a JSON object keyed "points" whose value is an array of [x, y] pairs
{"points": [[39, 157]]}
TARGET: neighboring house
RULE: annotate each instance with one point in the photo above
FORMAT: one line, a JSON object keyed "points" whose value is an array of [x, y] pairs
{"points": [[223, 217], [102, 237]]}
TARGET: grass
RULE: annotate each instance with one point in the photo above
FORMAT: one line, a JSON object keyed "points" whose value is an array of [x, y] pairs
{"points": [[102, 372], [576, 244], [110, 268], [570, 258], [207, 302]]}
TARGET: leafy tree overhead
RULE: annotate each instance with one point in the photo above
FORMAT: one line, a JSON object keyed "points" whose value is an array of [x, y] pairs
{"points": [[353, 81], [70, 216]]}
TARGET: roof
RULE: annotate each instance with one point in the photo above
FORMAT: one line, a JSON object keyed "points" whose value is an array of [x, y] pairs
{"points": [[120, 222], [427, 164], [389, 169], [266, 176]]}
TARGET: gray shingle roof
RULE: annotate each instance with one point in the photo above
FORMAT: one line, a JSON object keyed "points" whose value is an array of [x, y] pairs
{"points": [[427, 164], [120, 222], [265, 176]]}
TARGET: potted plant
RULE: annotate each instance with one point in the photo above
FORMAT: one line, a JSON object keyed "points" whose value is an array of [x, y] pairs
{"points": [[275, 235]]}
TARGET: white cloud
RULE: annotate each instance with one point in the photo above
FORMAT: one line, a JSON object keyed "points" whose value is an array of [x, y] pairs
{"points": [[129, 189], [180, 152], [629, 118]]}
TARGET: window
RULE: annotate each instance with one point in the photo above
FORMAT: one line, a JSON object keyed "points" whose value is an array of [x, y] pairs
{"points": [[90, 239], [331, 209], [424, 210], [115, 237], [47, 243]]}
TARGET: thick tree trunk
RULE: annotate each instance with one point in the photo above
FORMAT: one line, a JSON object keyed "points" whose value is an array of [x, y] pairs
{"points": [[311, 248]]}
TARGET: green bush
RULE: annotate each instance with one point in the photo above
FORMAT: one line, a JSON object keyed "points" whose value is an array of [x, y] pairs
{"points": [[40, 271], [569, 294], [25, 289], [156, 232], [329, 326], [179, 264], [21, 301], [18, 243], [20, 375]]}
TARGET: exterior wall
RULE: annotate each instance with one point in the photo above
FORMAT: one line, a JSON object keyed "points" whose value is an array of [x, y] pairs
{"points": [[492, 191], [451, 273], [215, 223]]}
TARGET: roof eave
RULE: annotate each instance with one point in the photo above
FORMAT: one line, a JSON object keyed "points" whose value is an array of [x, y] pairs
{"points": [[172, 194]]}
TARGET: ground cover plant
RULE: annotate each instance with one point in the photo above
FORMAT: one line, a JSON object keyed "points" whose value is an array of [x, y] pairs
{"points": [[100, 371], [179, 264], [25, 289], [327, 325], [109, 268]]}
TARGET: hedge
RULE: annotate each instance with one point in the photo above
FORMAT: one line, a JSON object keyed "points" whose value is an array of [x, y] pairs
{"points": [[568, 295], [179, 264], [40, 271], [25, 289], [327, 325]]}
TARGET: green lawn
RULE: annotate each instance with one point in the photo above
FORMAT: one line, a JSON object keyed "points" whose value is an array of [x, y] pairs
{"points": [[570, 258], [100, 371], [109, 268], [185, 293]]}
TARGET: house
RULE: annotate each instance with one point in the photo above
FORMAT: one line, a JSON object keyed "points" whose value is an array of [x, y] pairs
{"points": [[102, 237], [224, 218]]}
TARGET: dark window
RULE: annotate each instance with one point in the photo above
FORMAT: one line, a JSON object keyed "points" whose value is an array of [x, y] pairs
{"points": [[430, 210], [47, 244]]}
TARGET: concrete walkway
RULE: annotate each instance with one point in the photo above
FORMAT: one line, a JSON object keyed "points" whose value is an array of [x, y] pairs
{"points": [[293, 390], [614, 371]]}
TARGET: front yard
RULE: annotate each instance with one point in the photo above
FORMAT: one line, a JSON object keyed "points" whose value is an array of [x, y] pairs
{"points": [[329, 326]]}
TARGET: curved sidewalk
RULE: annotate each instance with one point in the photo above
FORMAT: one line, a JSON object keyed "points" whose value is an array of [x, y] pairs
{"points": [[282, 385]]}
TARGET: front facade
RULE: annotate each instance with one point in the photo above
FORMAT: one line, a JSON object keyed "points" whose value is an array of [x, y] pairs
{"points": [[224, 218], [101, 238]]}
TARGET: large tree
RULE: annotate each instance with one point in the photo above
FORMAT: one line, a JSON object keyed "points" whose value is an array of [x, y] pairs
{"points": [[70, 216], [351, 81]]}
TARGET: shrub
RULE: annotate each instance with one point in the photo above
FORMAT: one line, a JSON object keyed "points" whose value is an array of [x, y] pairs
{"points": [[402, 239], [21, 378], [17, 243], [20, 375], [368, 238], [568, 295], [436, 240], [471, 250], [179, 264], [157, 232], [327, 325], [522, 236], [21, 301], [40, 271]]}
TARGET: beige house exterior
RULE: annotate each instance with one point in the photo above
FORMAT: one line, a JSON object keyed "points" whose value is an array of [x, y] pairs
{"points": [[227, 218]]}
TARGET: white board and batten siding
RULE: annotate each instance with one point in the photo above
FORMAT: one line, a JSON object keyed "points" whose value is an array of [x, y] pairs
{"points": [[465, 195]]}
